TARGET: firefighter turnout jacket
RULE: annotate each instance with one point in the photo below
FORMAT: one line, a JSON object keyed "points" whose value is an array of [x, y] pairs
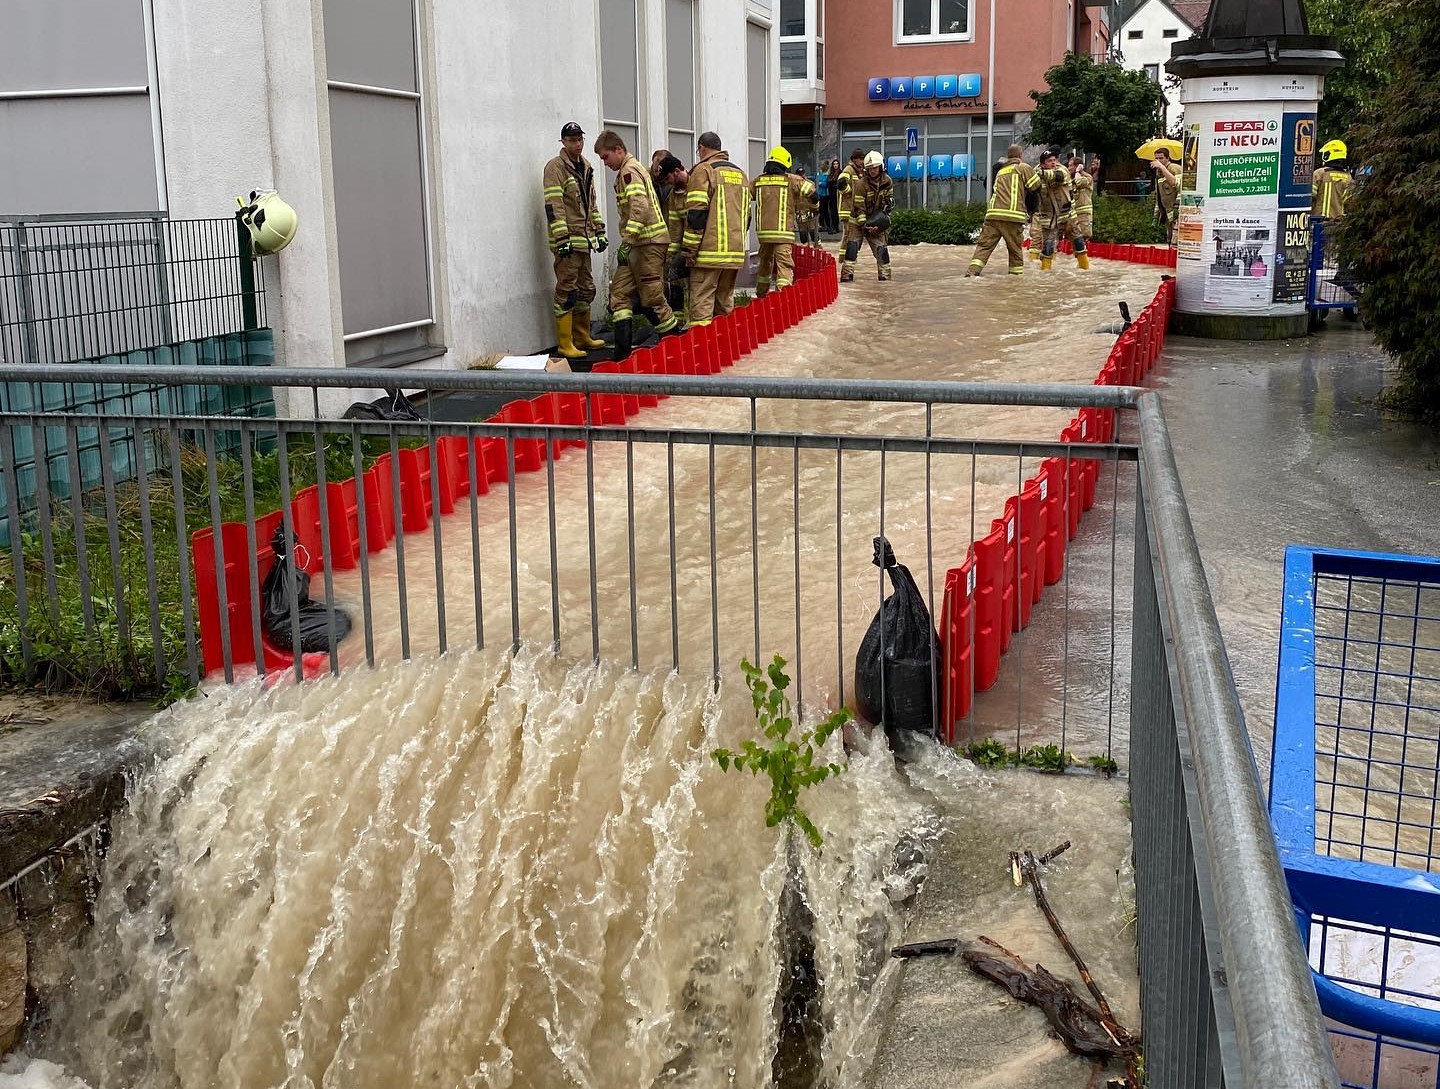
{"points": [[779, 197], [1007, 198], [717, 208], [1329, 191], [869, 196], [641, 219], [571, 211], [1083, 190], [845, 185], [1054, 197]]}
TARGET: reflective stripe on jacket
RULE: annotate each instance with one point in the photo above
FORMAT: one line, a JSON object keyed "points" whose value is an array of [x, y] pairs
{"points": [[779, 199], [717, 196], [1084, 193], [570, 206], [641, 220], [1054, 197], [869, 197], [845, 183], [1007, 198], [1328, 193]]}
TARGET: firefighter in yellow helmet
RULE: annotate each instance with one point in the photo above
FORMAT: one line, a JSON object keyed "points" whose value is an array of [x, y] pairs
{"points": [[717, 219], [778, 195], [1005, 218], [643, 240], [1330, 188], [845, 203], [872, 197], [576, 229]]}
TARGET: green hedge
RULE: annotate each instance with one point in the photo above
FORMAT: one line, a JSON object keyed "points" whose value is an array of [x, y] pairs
{"points": [[1116, 220]]}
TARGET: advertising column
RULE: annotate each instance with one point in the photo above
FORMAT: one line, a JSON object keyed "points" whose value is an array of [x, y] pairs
{"points": [[1243, 232]]}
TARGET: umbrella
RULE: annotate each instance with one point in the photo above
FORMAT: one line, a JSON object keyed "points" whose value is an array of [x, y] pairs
{"points": [[1148, 149]]}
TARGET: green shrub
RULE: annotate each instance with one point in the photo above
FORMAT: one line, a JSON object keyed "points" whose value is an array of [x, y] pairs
{"points": [[956, 225], [1121, 220]]}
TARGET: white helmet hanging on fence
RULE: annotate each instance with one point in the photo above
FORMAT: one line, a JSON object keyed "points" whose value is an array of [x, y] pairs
{"points": [[271, 221]]}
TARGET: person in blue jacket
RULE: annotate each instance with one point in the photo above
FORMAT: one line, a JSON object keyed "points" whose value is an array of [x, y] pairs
{"points": [[825, 193]]}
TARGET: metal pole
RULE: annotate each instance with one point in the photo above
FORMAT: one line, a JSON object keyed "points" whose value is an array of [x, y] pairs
{"points": [[250, 315], [990, 110]]}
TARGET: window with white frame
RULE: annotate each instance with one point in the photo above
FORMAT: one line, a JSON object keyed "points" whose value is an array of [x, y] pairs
{"points": [[680, 62], [802, 39], [757, 82], [934, 20]]}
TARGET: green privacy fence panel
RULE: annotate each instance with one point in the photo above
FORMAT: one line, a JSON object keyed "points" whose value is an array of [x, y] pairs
{"points": [[47, 446]]}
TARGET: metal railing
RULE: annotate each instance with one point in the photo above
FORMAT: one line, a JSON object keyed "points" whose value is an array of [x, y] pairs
{"points": [[89, 287], [738, 521]]}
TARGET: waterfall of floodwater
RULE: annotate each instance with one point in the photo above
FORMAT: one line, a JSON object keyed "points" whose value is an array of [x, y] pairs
{"points": [[473, 869]]}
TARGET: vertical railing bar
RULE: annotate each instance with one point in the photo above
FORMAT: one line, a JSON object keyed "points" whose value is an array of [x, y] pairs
{"points": [[514, 545], [8, 461], [362, 533], [432, 451], [187, 605], [552, 452], [935, 692], [839, 572], [754, 535], [1018, 622], [292, 546], [880, 607], [400, 581], [24, 301], [674, 597], [117, 563], [77, 512], [44, 503], [100, 296], [322, 494], [147, 538], [252, 547], [1065, 545], [590, 531], [630, 547], [799, 597], [974, 602], [714, 578], [222, 591], [1114, 538]]}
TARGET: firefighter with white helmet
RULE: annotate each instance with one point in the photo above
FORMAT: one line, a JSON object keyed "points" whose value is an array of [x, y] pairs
{"points": [[779, 195], [872, 197], [1331, 185]]}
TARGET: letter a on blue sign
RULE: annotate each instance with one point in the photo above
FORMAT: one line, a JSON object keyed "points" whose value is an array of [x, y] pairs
{"points": [[899, 87], [947, 86], [879, 89], [895, 166]]}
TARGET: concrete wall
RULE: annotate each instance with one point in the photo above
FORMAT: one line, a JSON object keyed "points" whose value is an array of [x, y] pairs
{"points": [[244, 104]]}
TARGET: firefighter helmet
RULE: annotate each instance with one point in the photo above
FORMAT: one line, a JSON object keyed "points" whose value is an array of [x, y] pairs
{"points": [[1335, 149], [271, 221], [781, 156], [874, 158]]}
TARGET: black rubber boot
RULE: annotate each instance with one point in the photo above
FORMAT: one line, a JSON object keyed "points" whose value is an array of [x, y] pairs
{"points": [[622, 339]]}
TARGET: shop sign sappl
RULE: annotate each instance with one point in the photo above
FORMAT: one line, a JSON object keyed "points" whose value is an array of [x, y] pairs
{"points": [[948, 92]]}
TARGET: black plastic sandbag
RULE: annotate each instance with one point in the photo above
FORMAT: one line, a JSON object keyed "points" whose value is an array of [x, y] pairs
{"points": [[286, 583], [390, 407], [902, 645]]}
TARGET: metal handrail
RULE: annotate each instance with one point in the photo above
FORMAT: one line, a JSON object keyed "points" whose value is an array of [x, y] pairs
{"points": [[1279, 1029]]}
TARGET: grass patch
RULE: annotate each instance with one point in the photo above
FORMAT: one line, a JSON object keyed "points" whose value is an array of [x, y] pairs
{"points": [[991, 753]]}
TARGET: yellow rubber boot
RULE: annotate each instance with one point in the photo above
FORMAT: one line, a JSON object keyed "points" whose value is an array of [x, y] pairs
{"points": [[1045, 263], [564, 325], [580, 330], [1083, 260]]}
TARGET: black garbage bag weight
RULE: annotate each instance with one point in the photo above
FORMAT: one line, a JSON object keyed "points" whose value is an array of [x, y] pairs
{"points": [[285, 583], [899, 656]]}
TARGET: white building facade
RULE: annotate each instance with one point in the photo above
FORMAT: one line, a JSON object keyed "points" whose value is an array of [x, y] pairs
{"points": [[409, 135], [1144, 40]]}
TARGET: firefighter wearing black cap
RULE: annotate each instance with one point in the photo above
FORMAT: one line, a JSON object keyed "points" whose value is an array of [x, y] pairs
{"points": [[671, 179], [644, 239], [779, 196], [576, 229]]}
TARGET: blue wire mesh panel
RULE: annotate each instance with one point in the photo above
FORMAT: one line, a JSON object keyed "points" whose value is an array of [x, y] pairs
{"points": [[1328, 286], [1354, 786]]}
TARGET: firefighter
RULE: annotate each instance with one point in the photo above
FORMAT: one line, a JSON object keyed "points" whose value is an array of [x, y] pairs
{"points": [[845, 201], [1330, 188], [1082, 207], [671, 179], [717, 214], [871, 198], [807, 213], [1167, 192], [1056, 214], [643, 239], [1005, 218], [779, 195], [576, 230]]}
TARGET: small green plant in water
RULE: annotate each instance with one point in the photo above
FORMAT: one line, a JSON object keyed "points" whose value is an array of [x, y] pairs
{"points": [[989, 753], [790, 763], [1104, 764], [1046, 758]]}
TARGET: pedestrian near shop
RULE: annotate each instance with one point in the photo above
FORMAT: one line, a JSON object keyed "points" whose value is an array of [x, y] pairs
{"points": [[821, 178], [717, 220], [779, 195], [576, 229], [831, 208], [1006, 215], [872, 197], [640, 256]]}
